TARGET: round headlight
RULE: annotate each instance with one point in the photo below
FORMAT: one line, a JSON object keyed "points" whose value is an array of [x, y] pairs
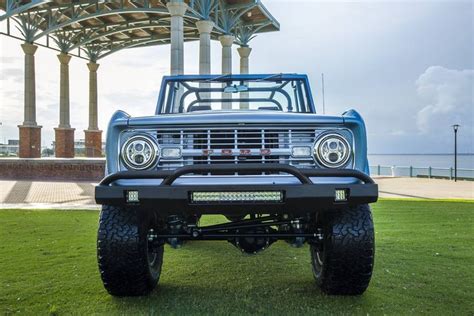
{"points": [[139, 152], [332, 151]]}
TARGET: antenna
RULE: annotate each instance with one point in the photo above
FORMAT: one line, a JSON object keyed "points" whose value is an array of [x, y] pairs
{"points": [[324, 104]]}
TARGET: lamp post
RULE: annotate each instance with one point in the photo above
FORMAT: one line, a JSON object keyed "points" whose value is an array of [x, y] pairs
{"points": [[455, 128]]}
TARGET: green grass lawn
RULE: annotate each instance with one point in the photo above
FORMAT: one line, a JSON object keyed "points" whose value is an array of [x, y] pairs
{"points": [[424, 264]]}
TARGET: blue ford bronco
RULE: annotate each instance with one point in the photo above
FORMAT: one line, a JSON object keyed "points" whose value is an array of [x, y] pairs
{"points": [[249, 147]]}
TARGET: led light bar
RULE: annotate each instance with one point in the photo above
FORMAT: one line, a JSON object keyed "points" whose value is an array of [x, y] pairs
{"points": [[250, 196]]}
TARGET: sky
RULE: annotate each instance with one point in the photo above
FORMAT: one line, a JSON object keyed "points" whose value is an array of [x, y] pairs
{"points": [[406, 66]]}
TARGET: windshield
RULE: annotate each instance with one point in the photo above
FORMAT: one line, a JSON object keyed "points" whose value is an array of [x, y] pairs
{"points": [[221, 94]]}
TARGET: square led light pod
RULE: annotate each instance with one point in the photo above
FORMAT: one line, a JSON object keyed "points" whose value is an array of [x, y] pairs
{"points": [[340, 195], [132, 197]]}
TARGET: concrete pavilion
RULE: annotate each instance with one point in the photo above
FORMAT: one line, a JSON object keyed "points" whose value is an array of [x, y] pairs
{"points": [[95, 29]]}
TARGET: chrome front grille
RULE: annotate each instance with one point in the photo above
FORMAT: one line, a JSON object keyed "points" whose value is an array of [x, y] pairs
{"points": [[236, 145]]}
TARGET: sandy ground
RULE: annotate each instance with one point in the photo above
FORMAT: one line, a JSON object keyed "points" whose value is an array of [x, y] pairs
{"points": [[424, 188]]}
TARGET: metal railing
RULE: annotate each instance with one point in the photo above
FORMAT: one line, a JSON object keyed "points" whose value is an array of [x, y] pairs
{"points": [[422, 172]]}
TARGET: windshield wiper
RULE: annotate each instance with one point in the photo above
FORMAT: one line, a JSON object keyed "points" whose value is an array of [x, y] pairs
{"points": [[269, 78], [218, 78]]}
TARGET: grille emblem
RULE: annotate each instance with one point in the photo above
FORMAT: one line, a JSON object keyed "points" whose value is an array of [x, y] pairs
{"points": [[265, 152], [207, 152], [245, 151], [226, 152]]}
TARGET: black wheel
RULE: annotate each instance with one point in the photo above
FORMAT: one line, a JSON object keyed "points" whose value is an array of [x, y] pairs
{"points": [[343, 261], [129, 262]]}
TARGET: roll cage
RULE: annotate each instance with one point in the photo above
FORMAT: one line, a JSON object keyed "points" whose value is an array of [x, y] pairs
{"points": [[174, 87]]}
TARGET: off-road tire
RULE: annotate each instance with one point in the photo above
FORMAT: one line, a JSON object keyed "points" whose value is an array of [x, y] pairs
{"points": [[343, 262], [128, 263]]}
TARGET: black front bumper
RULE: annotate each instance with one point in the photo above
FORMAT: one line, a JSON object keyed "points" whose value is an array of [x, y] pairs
{"points": [[304, 197]]}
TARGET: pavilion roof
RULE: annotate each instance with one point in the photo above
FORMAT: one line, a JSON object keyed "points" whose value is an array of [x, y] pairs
{"points": [[98, 28]]}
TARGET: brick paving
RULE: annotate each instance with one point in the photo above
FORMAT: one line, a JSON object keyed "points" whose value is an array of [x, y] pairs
{"points": [[38, 194], [80, 195]]}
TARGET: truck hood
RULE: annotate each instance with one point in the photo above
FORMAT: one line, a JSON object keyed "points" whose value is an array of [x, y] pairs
{"points": [[234, 117]]}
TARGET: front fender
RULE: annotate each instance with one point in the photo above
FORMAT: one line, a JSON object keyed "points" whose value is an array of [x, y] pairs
{"points": [[354, 121], [117, 124]]}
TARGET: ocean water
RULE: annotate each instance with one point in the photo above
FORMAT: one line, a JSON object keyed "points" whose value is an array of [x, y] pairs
{"points": [[436, 161]]}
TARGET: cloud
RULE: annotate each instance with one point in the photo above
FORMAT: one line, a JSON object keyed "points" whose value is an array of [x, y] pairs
{"points": [[448, 95], [9, 60], [398, 132], [14, 74]]}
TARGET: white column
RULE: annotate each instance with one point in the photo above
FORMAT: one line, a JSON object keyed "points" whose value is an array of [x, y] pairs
{"points": [[177, 10], [64, 134], [205, 29], [93, 125], [64, 121], [93, 135], [30, 84], [30, 131], [244, 53], [226, 42]]}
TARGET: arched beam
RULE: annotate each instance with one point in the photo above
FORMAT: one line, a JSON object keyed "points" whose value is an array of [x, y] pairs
{"points": [[130, 45], [258, 28], [229, 17], [111, 42], [13, 7], [101, 12], [66, 18], [140, 43], [98, 14], [245, 10], [115, 31]]}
